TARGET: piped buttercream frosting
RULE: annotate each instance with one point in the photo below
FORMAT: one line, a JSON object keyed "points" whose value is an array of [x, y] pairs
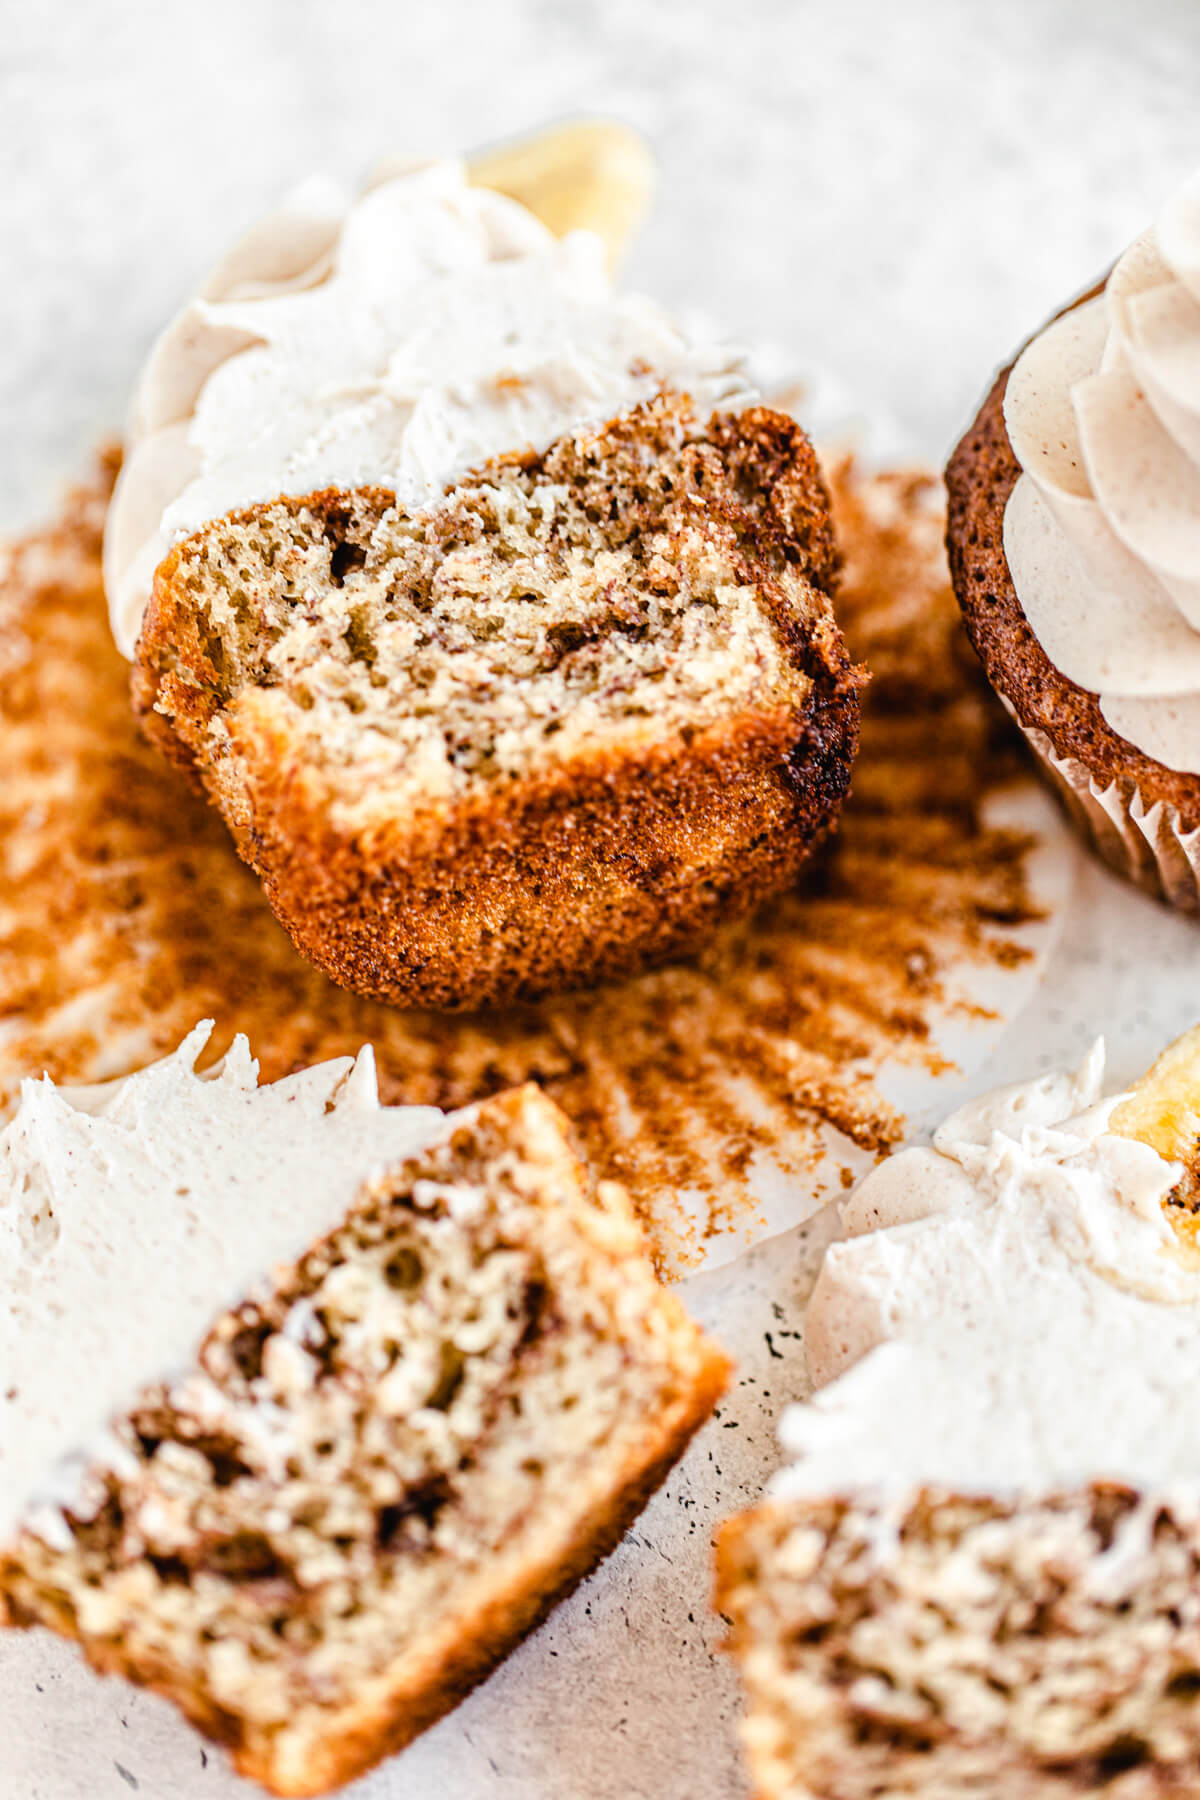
{"points": [[132, 1214], [1011, 1312], [1102, 530], [396, 338]]}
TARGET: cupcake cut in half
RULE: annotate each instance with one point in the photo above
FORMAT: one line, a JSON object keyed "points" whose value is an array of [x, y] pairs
{"points": [[490, 615], [980, 1573], [558, 726], [394, 1383], [1074, 540]]}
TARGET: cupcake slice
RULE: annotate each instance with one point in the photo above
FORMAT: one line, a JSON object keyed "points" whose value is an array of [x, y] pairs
{"points": [[315, 1407], [1074, 539], [490, 616], [981, 1573], [556, 727]]}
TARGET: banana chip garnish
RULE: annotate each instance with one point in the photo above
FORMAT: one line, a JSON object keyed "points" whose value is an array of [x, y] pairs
{"points": [[1162, 1109], [594, 176]]}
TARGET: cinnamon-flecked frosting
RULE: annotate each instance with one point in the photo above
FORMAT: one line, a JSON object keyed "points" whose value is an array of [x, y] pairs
{"points": [[133, 1214], [396, 339], [1011, 1313], [1102, 530]]}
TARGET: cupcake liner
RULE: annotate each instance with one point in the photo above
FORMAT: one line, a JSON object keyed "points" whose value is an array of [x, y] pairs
{"points": [[1145, 844], [733, 1093]]}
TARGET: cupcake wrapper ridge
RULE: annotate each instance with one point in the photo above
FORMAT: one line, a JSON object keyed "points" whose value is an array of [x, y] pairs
{"points": [[1145, 844]]}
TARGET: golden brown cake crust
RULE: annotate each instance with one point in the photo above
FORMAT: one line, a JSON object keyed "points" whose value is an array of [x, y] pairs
{"points": [[582, 872], [980, 476]]}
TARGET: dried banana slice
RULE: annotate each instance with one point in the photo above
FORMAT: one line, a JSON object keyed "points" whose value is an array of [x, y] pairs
{"points": [[595, 175], [1162, 1109]]}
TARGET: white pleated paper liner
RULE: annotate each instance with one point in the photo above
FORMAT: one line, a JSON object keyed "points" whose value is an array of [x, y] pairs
{"points": [[734, 1093], [1145, 844]]}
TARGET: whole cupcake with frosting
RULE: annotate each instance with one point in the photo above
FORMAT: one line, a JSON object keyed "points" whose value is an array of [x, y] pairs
{"points": [[1074, 539]]}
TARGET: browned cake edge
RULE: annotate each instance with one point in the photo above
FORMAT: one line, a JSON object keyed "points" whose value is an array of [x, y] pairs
{"points": [[645, 851], [980, 476], [464, 1653]]}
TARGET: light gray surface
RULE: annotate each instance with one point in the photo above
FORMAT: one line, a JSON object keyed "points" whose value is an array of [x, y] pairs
{"points": [[897, 192]]}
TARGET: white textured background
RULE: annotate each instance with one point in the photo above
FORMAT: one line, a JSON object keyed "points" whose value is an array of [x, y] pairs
{"points": [[899, 189], [896, 189]]}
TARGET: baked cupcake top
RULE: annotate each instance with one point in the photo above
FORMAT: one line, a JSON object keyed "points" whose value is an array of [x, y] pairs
{"points": [[393, 339], [1102, 530]]}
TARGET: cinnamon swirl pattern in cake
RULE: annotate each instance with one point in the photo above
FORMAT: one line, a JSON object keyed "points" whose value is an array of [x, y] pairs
{"points": [[981, 1571], [507, 659], [348, 1395]]}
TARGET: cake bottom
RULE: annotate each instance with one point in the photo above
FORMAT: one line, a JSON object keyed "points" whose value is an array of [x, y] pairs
{"points": [[953, 1647]]}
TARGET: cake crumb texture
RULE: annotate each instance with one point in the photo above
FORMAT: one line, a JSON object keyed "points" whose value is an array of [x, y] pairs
{"points": [[556, 726], [381, 1474], [956, 1647]]}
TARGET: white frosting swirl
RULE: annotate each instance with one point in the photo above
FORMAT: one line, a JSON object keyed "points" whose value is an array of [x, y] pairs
{"points": [[1102, 530], [132, 1214], [1011, 1312], [396, 339]]}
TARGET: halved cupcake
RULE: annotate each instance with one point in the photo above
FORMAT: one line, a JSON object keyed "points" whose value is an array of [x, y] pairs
{"points": [[313, 1406], [1074, 540], [488, 611]]}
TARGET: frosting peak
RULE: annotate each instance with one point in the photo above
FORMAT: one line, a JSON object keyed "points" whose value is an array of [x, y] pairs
{"points": [[395, 339], [132, 1214], [1102, 531], [1012, 1310]]}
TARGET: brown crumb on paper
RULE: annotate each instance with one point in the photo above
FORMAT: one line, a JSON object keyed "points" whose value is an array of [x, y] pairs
{"points": [[125, 915]]}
